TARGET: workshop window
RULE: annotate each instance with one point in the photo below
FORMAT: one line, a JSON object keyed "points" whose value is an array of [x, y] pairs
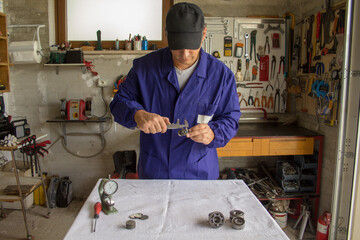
{"points": [[78, 21]]}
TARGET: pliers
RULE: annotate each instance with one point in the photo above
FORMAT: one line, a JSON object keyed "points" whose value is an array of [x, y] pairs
{"points": [[277, 94], [319, 68], [269, 85], [253, 44], [270, 101], [250, 99], [273, 66], [282, 60], [257, 100], [267, 44], [263, 99], [243, 99]]}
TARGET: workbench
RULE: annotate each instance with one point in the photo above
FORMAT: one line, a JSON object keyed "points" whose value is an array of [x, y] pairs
{"points": [[177, 209], [272, 140]]}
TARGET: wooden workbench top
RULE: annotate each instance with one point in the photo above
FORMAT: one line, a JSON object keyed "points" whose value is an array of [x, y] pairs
{"points": [[272, 130]]}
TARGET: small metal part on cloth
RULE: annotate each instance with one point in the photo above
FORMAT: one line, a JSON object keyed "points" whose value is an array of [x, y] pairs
{"points": [[216, 219], [130, 224], [236, 213], [136, 215], [238, 223]]}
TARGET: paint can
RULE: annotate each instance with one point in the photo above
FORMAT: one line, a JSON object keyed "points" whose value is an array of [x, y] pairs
{"points": [[137, 45], [128, 45], [280, 218]]}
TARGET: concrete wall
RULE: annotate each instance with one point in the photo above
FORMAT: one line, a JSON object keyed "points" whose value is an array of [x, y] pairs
{"points": [[36, 91]]}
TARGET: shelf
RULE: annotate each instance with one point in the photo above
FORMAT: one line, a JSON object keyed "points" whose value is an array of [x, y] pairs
{"points": [[57, 65], [3, 38], [64, 121], [7, 178], [118, 52]]}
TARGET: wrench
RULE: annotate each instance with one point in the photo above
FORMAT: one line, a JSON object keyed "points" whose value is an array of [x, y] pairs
{"points": [[246, 45], [210, 43], [231, 65]]}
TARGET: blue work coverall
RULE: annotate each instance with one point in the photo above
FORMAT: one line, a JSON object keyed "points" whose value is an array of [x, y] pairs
{"points": [[210, 93]]}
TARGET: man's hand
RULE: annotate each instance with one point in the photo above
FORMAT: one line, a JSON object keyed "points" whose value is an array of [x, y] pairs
{"points": [[201, 133], [151, 122]]}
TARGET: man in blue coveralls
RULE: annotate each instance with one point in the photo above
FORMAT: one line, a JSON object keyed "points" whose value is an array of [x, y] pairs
{"points": [[179, 82]]}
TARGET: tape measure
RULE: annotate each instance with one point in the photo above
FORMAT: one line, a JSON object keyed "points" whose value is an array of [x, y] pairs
{"points": [[227, 46]]}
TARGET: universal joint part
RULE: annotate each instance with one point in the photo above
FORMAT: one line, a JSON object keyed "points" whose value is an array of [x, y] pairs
{"points": [[216, 219]]}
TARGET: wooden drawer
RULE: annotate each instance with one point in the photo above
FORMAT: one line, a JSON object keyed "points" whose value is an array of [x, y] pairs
{"points": [[267, 147], [283, 146], [237, 147]]}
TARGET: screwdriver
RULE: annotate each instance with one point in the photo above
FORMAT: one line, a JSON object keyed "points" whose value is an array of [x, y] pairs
{"points": [[97, 209]]}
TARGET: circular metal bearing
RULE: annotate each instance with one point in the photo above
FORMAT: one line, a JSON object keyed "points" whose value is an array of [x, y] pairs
{"points": [[236, 213], [238, 223], [130, 224], [216, 219]]}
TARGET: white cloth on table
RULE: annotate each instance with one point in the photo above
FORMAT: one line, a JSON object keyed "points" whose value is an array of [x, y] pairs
{"points": [[177, 209]]}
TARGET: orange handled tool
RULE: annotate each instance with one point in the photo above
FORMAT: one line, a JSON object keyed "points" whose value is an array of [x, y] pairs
{"points": [[97, 209]]}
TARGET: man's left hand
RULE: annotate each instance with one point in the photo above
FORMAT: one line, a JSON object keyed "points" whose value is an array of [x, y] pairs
{"points": [[201, 133]]}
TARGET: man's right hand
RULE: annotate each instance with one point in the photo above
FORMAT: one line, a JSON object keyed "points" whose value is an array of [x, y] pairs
{"points": [[151, 122]]}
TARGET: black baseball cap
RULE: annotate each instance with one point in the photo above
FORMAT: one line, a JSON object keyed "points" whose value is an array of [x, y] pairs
{"points": [[184, 26]]}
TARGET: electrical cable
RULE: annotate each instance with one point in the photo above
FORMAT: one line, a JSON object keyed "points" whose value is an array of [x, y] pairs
{"points": [[105, 103]]}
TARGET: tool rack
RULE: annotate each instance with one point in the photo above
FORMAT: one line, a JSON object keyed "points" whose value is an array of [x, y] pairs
{"points": [[5, 179]]}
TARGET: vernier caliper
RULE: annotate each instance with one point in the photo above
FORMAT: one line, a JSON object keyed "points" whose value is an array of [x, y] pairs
{"points": [[184, 127]]}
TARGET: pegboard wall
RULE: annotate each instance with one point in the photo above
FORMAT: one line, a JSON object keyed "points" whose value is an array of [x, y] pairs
{"points": [[254, 50]]}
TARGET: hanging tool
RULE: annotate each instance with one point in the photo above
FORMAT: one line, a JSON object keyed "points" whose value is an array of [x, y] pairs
{"points": [[210, 43], [273, 67], [250, 99], [275, 40], [270, 103], [247, 73], [254, 72], [282, 60], [257, 100], [238, 75], [271, 28], [243, 100], [246, 35], [319, 68], [277, 94], [238, 50], [269, 85], [227, 46], [263, 99], [231, 63], [284, 96], [253, 45], [97, 210], [264, 68], [267, 45]]}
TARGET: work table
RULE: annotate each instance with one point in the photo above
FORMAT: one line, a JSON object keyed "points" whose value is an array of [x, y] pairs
{"points": [[272, 130]]}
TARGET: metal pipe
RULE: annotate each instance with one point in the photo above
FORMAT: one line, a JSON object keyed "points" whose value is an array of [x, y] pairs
{"points": [[354, 186], [336, 194]]}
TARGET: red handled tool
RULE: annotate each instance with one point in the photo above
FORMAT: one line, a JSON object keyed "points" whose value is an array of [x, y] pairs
{"points": [[97, 209]]}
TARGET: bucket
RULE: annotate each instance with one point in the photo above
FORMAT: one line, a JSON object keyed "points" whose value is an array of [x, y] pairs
{"points": [[280, 218]]}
